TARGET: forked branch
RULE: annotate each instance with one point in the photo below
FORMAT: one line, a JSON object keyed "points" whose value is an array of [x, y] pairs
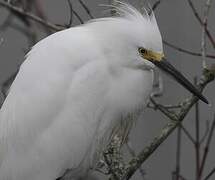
{"points": [[175, 121]]}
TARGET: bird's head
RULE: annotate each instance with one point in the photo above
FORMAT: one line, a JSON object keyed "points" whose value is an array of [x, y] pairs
{"points": [[132, 39], [129, 38]]}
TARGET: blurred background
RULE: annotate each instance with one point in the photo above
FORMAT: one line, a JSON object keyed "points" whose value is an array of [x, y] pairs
{"points": [[178, 26]]}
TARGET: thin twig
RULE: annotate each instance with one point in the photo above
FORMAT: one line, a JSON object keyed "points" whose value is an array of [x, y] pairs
{"points": [[206, 149], [203, 46], [186, 132], [166, 107], [178, 153], [206, 132], [204, 26], [135, 163], [165, 111], [156, 4], [210, 174], [172, 106], [186, 51], [27, 30], [86, 9], [30, 16], [196, 14], [71, 14], [197, 143], [75, 13]]}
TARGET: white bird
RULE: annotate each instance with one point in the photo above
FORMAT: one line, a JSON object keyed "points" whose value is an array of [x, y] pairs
{"points": [[73, 89]]}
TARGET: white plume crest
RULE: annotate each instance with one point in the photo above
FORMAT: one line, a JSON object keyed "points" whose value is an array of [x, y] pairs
{"points": [[126, 10]]}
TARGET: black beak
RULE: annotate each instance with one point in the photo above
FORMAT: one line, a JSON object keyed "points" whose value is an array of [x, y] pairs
{"points": [[167, 67]]}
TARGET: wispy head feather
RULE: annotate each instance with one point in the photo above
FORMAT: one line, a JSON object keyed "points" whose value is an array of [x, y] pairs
{"points": [[125, 10], [127, 25]]}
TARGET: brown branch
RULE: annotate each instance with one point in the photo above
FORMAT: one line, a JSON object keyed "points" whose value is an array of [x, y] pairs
{"points": [[196, 14], [206, 149], [31, 16], [178, 154]]}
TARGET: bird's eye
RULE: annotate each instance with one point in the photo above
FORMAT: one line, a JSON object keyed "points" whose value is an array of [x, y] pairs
{"points": [[142, 51]]}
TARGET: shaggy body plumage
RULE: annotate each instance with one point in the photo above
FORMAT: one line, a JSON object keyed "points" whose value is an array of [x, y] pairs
{"points": [[71, 91]]}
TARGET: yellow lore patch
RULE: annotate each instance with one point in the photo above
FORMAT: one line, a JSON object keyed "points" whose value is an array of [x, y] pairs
{"points": [[151, 55]]}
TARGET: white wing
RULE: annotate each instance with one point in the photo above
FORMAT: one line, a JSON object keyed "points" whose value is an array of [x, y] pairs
{"points": [[64, 89], [49, 118]]}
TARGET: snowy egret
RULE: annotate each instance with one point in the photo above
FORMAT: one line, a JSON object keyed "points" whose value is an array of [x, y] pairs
{"points": [[73, 89]]}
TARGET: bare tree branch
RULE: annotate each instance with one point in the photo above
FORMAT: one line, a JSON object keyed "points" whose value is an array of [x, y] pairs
{"points": [[30, 16], [86, 8], [204, 27], [71, 14], [210, 174], [186, 51], [136, 162], [78, 17], [206, 132], [210, 37], [75, 13], [165, 111], [186, 132], [206, 149], [178, 154], [197, 143], [156, 4], [117, 167]]}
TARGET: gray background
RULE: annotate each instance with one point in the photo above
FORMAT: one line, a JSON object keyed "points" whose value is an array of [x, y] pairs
{"points": [[179, 26]]}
